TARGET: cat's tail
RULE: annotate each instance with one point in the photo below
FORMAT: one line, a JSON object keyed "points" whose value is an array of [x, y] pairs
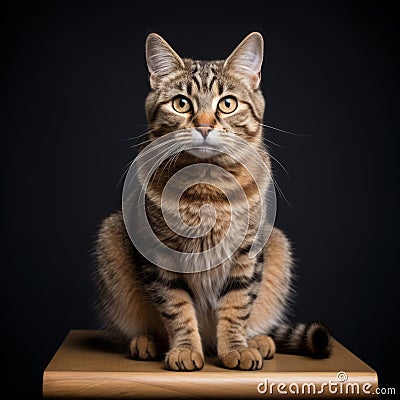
{"points": [[308, 339]]}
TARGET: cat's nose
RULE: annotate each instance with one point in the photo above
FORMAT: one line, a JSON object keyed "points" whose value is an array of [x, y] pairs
{"points": [[204, 130]]}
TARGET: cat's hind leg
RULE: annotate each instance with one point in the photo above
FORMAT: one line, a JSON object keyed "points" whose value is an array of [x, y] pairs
{"points": [[126, 313], [270, 302]]}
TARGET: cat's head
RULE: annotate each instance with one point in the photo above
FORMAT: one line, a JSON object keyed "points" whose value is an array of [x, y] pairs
{"points": [[207, 102]]}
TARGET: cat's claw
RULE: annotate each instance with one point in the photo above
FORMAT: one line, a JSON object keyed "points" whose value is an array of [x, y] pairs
{"points": [[264, 344], [143, 348], [243, 357], [184, 359]]}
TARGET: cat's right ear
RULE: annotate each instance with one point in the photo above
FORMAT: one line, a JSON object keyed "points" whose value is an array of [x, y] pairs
{"points": [[161, 59]]}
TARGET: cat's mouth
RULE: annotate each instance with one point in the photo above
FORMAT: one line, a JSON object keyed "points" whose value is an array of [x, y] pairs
{"points": [[204, 152], [205, 147]]}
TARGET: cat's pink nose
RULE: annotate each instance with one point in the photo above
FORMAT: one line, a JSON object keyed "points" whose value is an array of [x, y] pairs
{"points": [[204, 130]]}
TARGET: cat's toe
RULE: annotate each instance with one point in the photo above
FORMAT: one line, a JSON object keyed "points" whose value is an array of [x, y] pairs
{"points": [[143, 348], [184, 359], [264, 344], [243, 357]]}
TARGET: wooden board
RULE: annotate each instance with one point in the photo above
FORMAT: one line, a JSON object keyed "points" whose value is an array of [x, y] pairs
{"points": [[86, 367]]}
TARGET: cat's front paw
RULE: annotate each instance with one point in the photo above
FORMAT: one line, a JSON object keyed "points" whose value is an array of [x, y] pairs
{"points": [[183, 359], [264, 344], [143, 348], [243, 357]]}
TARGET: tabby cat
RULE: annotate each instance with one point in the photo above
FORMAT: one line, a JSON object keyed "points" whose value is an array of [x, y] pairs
{"points": [[236, 309]]}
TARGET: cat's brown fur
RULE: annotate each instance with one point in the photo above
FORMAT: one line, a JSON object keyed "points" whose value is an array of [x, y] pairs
{"points": [[229, 309]]}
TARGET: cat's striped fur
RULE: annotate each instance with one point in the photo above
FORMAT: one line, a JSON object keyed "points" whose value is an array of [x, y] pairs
{"points": [[232, 308]]}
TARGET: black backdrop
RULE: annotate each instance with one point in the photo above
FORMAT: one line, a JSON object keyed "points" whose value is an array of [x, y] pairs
{"points": [[73, 82]]}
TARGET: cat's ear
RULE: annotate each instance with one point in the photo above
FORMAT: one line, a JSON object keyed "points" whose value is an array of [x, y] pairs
{"points": [[247, 58], [161, 59]]}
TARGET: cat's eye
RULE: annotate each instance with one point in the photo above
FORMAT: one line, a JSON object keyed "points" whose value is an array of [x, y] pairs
{"points": [[181, 104], [227, 105]]}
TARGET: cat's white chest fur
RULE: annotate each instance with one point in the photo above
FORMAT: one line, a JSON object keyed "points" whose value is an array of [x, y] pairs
{"points": [[206, 287]]}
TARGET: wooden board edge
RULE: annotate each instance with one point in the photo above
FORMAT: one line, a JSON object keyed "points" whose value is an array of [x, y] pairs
{"points": [[73, 384]]}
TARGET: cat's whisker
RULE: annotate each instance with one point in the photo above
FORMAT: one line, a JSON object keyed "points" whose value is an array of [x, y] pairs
{"points": [[264, 138], [166, 153], [235, 137], [170, 162], [246, 152], [155, 166], [167, 161], [276, 160], [177, 135], [281, 165], [182, 143], [176, 159], [139, 144], [163, 152], [282, 130], [173, 160], [272, 142], [146, 133], [127, 166], [280, 191], [126, 169], [157, 154], [143, 133], [259, 162], [155, 148], [136, 137]]}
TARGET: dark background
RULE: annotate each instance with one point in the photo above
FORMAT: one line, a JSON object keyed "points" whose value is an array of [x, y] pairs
{"points": [[73, 83]]}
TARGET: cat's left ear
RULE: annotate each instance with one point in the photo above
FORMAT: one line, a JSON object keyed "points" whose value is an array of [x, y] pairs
{"points": [[247, 58]]}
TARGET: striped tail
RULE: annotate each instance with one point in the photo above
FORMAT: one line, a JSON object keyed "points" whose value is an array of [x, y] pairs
{"points": [[306, 339]]}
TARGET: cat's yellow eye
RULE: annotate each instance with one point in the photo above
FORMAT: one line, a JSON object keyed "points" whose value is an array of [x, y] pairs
{"points": [[227, 105], [181, 104]]}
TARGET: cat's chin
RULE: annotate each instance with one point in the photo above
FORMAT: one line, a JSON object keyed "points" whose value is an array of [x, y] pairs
{"points": [[203, 153]]}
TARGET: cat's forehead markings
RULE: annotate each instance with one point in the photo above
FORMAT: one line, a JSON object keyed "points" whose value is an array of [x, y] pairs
{"points": [[204, 74], [196, 76]]}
